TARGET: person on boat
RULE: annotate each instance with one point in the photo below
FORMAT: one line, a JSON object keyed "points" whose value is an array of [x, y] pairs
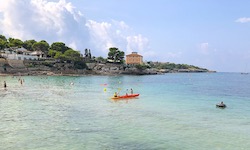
{"points": [[115, 94], [131, 91]]}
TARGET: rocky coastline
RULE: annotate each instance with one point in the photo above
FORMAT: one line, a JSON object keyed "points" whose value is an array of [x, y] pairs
{"points": [[50, 68]]}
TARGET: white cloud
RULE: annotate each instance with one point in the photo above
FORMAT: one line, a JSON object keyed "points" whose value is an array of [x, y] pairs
{"points": [[137, 43], [61, 21], [99, 34], [117, 34], [243, 20], [40, 19]]}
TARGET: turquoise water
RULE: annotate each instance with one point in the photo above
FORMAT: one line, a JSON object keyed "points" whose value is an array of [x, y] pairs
{"points": [[174, 111]]}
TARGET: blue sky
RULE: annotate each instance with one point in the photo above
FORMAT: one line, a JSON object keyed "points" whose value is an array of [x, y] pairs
{"points": [[209, 33]]}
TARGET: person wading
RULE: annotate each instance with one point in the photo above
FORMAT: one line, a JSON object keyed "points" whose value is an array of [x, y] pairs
{"points": [[4, 84]]}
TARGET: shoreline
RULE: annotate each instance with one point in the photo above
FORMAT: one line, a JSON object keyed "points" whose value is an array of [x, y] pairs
{"points": [[34, 68], [91, 73]]}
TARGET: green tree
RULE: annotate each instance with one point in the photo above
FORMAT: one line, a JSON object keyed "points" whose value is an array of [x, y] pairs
{"points": [[100, 59], [52, 53], [28, 44], [59, 46], [3, 44], [3, 38], [116, 55], [41, 46], [59, 55], [72, 55], [15, 42]]}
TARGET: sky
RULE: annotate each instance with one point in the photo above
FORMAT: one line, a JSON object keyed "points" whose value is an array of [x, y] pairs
{"points": [[210, 34]]}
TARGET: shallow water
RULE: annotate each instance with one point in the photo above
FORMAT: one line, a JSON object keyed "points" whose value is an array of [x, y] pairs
{"points": [[174, 111]]}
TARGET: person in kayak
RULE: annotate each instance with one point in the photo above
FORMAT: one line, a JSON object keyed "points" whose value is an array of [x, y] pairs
{"points": [[115, 94], [131, 91]]}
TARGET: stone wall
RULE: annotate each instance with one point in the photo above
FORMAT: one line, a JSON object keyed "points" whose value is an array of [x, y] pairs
{"points": [[16, 63], [3, 65]]}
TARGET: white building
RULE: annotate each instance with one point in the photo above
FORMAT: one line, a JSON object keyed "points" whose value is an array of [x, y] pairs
{"points": [[20, 54]]}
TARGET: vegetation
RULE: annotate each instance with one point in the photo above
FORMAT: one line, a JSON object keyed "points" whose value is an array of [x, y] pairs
{"points": [[2, 37], [87, 53], [59, 47], [41, 46], [62, 53], [142, 66], [173, 66], [15, 42], [116, 55], [101, 59], [3, 42], [28, 44], [57, 50]]}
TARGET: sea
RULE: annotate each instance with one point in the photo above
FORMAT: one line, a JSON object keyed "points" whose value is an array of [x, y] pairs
{"points": [[174, 111]]}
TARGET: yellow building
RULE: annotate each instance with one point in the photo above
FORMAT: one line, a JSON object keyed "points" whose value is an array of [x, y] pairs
{"points": [[134, 59]]}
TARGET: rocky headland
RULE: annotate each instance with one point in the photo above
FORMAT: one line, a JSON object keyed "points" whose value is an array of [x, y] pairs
{"points": [[52, 67]]}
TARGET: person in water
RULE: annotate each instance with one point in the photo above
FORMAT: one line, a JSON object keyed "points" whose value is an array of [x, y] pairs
{"points": [[4, 84], [221, 105]]}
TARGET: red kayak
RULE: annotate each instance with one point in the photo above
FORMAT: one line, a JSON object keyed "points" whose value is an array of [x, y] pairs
{"points": [[126, 96]]}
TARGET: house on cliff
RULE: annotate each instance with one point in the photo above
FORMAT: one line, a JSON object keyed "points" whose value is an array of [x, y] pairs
{"points": [[134, 59], [15, 53]]}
